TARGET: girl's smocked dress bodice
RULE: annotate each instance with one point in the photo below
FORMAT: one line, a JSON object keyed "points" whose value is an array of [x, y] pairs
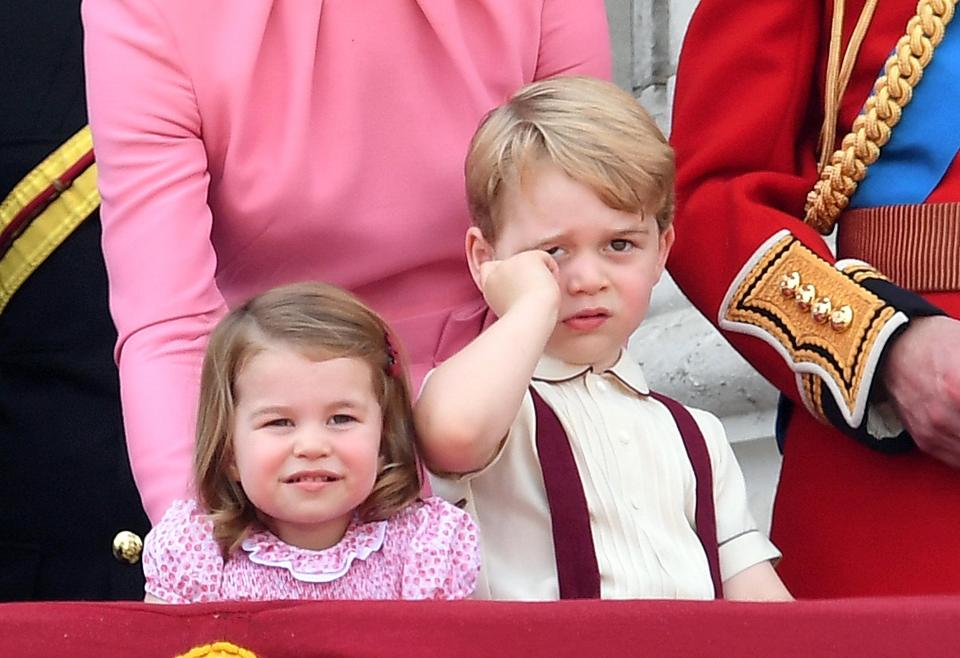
{"points": [[428, 550]]}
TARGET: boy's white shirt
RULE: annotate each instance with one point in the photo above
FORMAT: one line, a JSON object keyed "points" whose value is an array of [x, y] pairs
{"points": [[638, 483]]}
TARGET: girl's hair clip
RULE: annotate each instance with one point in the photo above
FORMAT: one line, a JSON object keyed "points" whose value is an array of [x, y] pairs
{"points": [[393, 360]]}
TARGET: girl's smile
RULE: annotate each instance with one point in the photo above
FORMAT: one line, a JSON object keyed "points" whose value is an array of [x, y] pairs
{"points": [[312, 480]]}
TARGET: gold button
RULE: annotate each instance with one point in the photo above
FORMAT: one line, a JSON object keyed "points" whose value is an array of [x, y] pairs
{"points": [[821, 309], [841, 318], [805, 296], [127, 547], [789, 284]]}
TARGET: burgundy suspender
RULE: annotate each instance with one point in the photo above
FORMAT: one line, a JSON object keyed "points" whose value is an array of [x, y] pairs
{"points": [[705, 516], [577, 570]]}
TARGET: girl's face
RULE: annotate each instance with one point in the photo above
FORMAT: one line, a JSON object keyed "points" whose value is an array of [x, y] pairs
{"points": [[306, 442]]}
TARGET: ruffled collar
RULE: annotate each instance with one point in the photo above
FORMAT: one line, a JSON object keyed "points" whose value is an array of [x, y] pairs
{"points": [[359, 542]]}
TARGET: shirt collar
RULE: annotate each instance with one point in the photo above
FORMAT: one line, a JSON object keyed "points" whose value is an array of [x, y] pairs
{"points": [[551, 369]]}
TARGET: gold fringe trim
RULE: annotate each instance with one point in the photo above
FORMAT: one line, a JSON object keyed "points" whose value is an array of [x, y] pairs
{"points": [[813, 393]]}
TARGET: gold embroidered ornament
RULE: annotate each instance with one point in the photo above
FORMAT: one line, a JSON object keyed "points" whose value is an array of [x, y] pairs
{"points": [[828, 327], [218, 650]]}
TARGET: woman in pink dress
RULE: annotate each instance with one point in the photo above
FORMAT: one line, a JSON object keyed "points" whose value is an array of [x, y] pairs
{"points": [[242, 145], [304, 462]]}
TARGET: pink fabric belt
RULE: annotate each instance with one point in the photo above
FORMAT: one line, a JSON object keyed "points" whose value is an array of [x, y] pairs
{"points": [[917, 246]]}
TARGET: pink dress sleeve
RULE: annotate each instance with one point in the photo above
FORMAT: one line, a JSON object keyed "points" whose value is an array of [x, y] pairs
{"points": [[181, 560], [574, 39], [156, 235], [443, 558]]}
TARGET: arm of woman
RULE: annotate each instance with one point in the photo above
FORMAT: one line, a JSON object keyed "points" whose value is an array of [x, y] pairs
{"points": [[156, 234], [574, 39]]}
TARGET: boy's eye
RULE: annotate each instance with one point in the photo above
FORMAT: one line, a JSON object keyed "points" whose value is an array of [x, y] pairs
{"points": [[342, 419], [553, 251], [621, 245]]}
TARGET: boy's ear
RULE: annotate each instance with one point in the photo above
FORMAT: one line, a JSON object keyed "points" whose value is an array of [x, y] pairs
{"points": [[666, 244], [479, 251]]}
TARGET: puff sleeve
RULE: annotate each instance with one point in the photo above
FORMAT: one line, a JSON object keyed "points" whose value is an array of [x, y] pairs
{"points": [[442, 560], [181, 560]]}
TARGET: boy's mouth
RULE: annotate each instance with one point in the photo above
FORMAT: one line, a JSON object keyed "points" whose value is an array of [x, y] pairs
{"points": [[588, 319]]}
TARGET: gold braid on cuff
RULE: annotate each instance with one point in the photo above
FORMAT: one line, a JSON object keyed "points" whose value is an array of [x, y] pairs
{"points": [[826, 325]]}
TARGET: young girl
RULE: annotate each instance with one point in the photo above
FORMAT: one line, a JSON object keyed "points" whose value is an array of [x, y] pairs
{"points": [[305, 468]]}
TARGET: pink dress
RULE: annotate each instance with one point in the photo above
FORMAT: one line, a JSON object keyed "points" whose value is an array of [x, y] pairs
{"points": [[428, 550], [246, 144]]}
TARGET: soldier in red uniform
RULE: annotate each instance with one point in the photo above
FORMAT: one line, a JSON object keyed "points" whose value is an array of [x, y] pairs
{"points": [[792, 119]]}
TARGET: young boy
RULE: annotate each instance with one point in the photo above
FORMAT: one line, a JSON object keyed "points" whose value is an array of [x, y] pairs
{"points": [[582, 481]]}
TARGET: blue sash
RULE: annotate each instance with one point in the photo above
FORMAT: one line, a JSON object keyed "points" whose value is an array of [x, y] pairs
{"points": [[925, 141]]}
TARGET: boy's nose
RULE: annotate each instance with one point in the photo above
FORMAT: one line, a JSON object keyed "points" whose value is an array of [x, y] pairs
{"points": [[585, 276]]}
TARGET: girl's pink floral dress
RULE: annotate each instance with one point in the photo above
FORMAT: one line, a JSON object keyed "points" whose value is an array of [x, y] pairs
{"points": [[429, 550]]}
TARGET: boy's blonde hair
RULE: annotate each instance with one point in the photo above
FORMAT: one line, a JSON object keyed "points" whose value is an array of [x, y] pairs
{"points": [[321, 322], [592, 130]]}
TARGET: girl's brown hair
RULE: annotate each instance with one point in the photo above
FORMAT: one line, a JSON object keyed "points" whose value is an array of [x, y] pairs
{"points": [[321, 322]]}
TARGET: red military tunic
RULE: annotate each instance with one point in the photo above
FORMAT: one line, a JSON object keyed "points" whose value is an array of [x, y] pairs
{"points": [[747, 115]]}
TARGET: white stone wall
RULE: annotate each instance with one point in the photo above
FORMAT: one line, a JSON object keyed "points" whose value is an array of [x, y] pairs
{"points": [[682, 354]]}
